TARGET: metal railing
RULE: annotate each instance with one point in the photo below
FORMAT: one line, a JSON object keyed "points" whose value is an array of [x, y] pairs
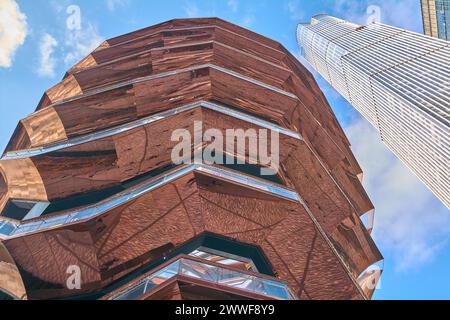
{"points": [[9, 228], [55, 146], [215, 274]]}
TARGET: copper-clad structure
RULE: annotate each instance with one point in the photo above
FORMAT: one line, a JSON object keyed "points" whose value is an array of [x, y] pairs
{"points": [[87, 183]]}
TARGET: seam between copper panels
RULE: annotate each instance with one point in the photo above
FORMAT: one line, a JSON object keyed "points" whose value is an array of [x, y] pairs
{"points": [[167, 74], [189, 29], [332, 247], [80, 215], [154, 118], [181, 46]]}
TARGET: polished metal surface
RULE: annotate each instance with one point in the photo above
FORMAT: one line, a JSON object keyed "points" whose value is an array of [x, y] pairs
{"points": [[214, 274], [10, 228], [132, 125], [398, 80]]}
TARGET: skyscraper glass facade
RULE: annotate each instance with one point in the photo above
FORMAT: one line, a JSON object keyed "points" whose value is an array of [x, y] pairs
{"points": [[398, 80], [443, 18], [436, 18]]}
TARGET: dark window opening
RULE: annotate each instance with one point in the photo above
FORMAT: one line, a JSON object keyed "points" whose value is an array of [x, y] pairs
{"points": [[254, 171], [255, 115], [93, 197], [248, 169], [17, 209], [205, 240], [151, 174], [82, 200], [5, 296]]}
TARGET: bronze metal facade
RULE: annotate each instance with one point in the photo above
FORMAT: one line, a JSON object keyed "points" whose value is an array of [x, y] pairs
{"points": [[90, 175]]}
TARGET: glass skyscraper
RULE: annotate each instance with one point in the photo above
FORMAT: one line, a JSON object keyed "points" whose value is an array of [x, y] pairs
{"points": [[436, 18], [398, 80]]}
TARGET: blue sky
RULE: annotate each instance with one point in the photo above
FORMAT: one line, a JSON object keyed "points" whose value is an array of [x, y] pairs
{"points": [[412, 228]]}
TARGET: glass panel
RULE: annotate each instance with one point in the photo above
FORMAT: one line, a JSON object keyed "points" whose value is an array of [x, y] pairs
{"points": [[54, 221], [368, 279], [222, 258], [134, 293], [150, 282], [214, 274], [272, 288], [199, 270], [164, 274], [29, 227], [6, 228], [17, 209], [237, 280]]}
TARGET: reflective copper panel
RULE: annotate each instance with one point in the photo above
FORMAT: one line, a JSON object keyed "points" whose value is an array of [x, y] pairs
{"points": [[88, 187]]}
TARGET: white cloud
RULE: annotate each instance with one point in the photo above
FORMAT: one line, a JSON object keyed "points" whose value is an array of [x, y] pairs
{"points": [[410, 221], [399, 13], [248, 20], [351, 10], [191, 10], [13, 31], [58, 5], [233, 5], [402, 14], [411, 225], [80, 43], [112, 5], [75, 41], [47, 62], [295, 11]]}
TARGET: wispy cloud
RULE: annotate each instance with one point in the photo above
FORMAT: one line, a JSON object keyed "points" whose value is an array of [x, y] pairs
{"points": [[76, 38], [248, 20], [402, 14], [112, 5], [409, 221], [47, 61], [191, 10], [80, 43], [13, 31], [351, 10], [399, 13], [411, 224], [233, 5], [295, 11], [59, 5]]}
